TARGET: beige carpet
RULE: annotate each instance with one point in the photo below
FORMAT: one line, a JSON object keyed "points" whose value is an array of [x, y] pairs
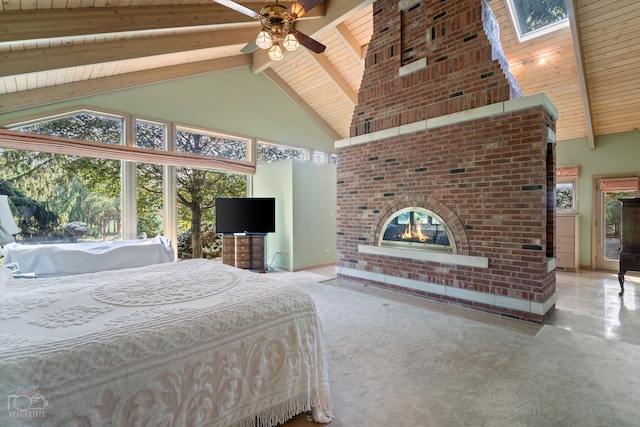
{"points": [[402, 361]]}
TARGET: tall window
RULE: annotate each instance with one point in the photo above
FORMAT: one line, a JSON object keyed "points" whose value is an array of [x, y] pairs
{"points": [[149, 180], [533, 18], [68, 198], [77, 198]]}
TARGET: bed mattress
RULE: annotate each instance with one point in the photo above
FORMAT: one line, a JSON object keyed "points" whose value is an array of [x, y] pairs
{"points": [[189, 343]]}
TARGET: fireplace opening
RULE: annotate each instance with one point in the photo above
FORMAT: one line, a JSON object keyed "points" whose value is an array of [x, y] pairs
{"points": [[417, 228]]}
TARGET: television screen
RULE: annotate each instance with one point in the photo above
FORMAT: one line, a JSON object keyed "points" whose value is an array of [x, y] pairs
{"points": [[245, 215]]}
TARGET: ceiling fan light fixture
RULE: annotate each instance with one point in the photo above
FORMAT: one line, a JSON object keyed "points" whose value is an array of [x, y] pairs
{"points": [[275, 52], [264, 40], [290, 42], [296, 10]]}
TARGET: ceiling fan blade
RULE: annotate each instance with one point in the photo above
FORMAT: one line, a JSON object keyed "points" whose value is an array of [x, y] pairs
{"points": [[238, 8], [307, 5], [249, 47], [309, 43]]}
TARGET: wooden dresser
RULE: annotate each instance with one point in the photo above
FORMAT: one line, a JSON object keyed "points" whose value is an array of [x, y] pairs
{"points": [[630, 251], [567, 242]]}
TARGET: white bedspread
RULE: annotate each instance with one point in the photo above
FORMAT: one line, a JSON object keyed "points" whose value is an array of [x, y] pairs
{"points": [[191, 343], [59, 259]]}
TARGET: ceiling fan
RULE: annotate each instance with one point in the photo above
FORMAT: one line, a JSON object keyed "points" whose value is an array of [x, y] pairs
{"points": [[277, 27]]}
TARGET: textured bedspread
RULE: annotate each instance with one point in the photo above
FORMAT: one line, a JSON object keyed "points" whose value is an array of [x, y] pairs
{"points": [[192, 343]]}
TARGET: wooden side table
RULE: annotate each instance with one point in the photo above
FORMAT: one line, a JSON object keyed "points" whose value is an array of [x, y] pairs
{"points": [[244, 251]]}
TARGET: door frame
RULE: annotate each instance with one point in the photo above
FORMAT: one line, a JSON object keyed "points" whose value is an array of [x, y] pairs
{"points": [[596, 220]]}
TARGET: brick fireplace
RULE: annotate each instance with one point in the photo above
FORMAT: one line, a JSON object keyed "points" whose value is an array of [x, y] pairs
{"points": [[442, 138]]}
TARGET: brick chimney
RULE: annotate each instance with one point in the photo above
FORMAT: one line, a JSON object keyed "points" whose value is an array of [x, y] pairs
{"points": [[441, 125]]}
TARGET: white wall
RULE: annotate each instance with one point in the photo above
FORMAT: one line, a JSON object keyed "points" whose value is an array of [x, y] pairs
{"points": [[305, 195]]}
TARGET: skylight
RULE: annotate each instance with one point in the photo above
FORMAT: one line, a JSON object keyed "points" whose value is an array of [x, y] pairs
{"points": [[533, 18]]}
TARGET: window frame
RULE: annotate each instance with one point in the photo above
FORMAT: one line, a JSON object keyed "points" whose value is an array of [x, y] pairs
{"points": [[130, 154], [538, 32], [567, 175]]}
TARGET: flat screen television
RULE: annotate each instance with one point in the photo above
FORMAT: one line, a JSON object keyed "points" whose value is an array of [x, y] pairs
{"points": [[255, 215]]}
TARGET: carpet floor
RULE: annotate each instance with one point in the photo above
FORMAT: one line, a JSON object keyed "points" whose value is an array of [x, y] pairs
{"points": [[396, 360]]}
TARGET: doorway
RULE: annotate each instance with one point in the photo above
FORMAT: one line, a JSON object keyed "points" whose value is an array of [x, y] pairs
{"points": [[608, 208]]}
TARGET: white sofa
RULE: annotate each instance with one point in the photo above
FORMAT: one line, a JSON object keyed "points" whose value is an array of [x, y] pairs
{"points": [[74, 258]]}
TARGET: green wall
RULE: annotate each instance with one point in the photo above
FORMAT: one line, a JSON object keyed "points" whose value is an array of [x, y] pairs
{"points": [[305, 195], [614, 154], [234, 101]]}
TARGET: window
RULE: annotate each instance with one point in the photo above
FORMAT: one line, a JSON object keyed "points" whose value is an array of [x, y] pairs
{"points": [[150, 180], [567, 189], [151, 135], [78, 197], [87, 125], [83, 195], [533, 18], [62, 198], [566, 196], [211, 144], [268, 153], [320, 157]]}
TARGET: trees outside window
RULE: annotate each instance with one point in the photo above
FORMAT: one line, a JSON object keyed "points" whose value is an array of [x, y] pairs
{"points": [[78, 198], [65, 184], [198, 188], [534, 17], [268, 153]]}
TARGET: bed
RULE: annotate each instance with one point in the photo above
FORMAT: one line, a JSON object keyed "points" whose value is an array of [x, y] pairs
{"points": [[188, 343], [57, 259]]}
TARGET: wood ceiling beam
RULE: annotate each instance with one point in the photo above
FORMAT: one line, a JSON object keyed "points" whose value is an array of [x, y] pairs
{"points": [[335, 76], [343, 31], [35, 24], [574, 23], [66, 56], [48, 95], [278, 81], [337, 12]]}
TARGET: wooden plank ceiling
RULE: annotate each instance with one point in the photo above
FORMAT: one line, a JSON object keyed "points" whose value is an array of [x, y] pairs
{"points": [[54, 50]]}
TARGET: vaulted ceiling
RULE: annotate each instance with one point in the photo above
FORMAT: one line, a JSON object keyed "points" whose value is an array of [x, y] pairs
{"points": [[56, 50]]}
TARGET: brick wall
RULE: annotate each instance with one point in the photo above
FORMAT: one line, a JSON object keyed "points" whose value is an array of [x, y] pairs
{"points": [[460, 72], [490, 179]]}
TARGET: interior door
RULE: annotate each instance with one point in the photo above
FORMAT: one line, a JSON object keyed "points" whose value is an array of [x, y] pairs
{"points": [[608, 241]]}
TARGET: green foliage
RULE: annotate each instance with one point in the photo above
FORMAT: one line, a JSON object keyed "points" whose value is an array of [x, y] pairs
{"points": [[64, 183], [83, 125], [613, 212], [85, 191], [77, 229], [198, 188], [564, 199], [534, 14], [33, 217], [268, 153], [210, 145], [211, 242], [149, 200]]}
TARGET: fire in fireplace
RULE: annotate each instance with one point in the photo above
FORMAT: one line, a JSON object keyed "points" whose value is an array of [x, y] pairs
{"points": [[417, 228]]}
